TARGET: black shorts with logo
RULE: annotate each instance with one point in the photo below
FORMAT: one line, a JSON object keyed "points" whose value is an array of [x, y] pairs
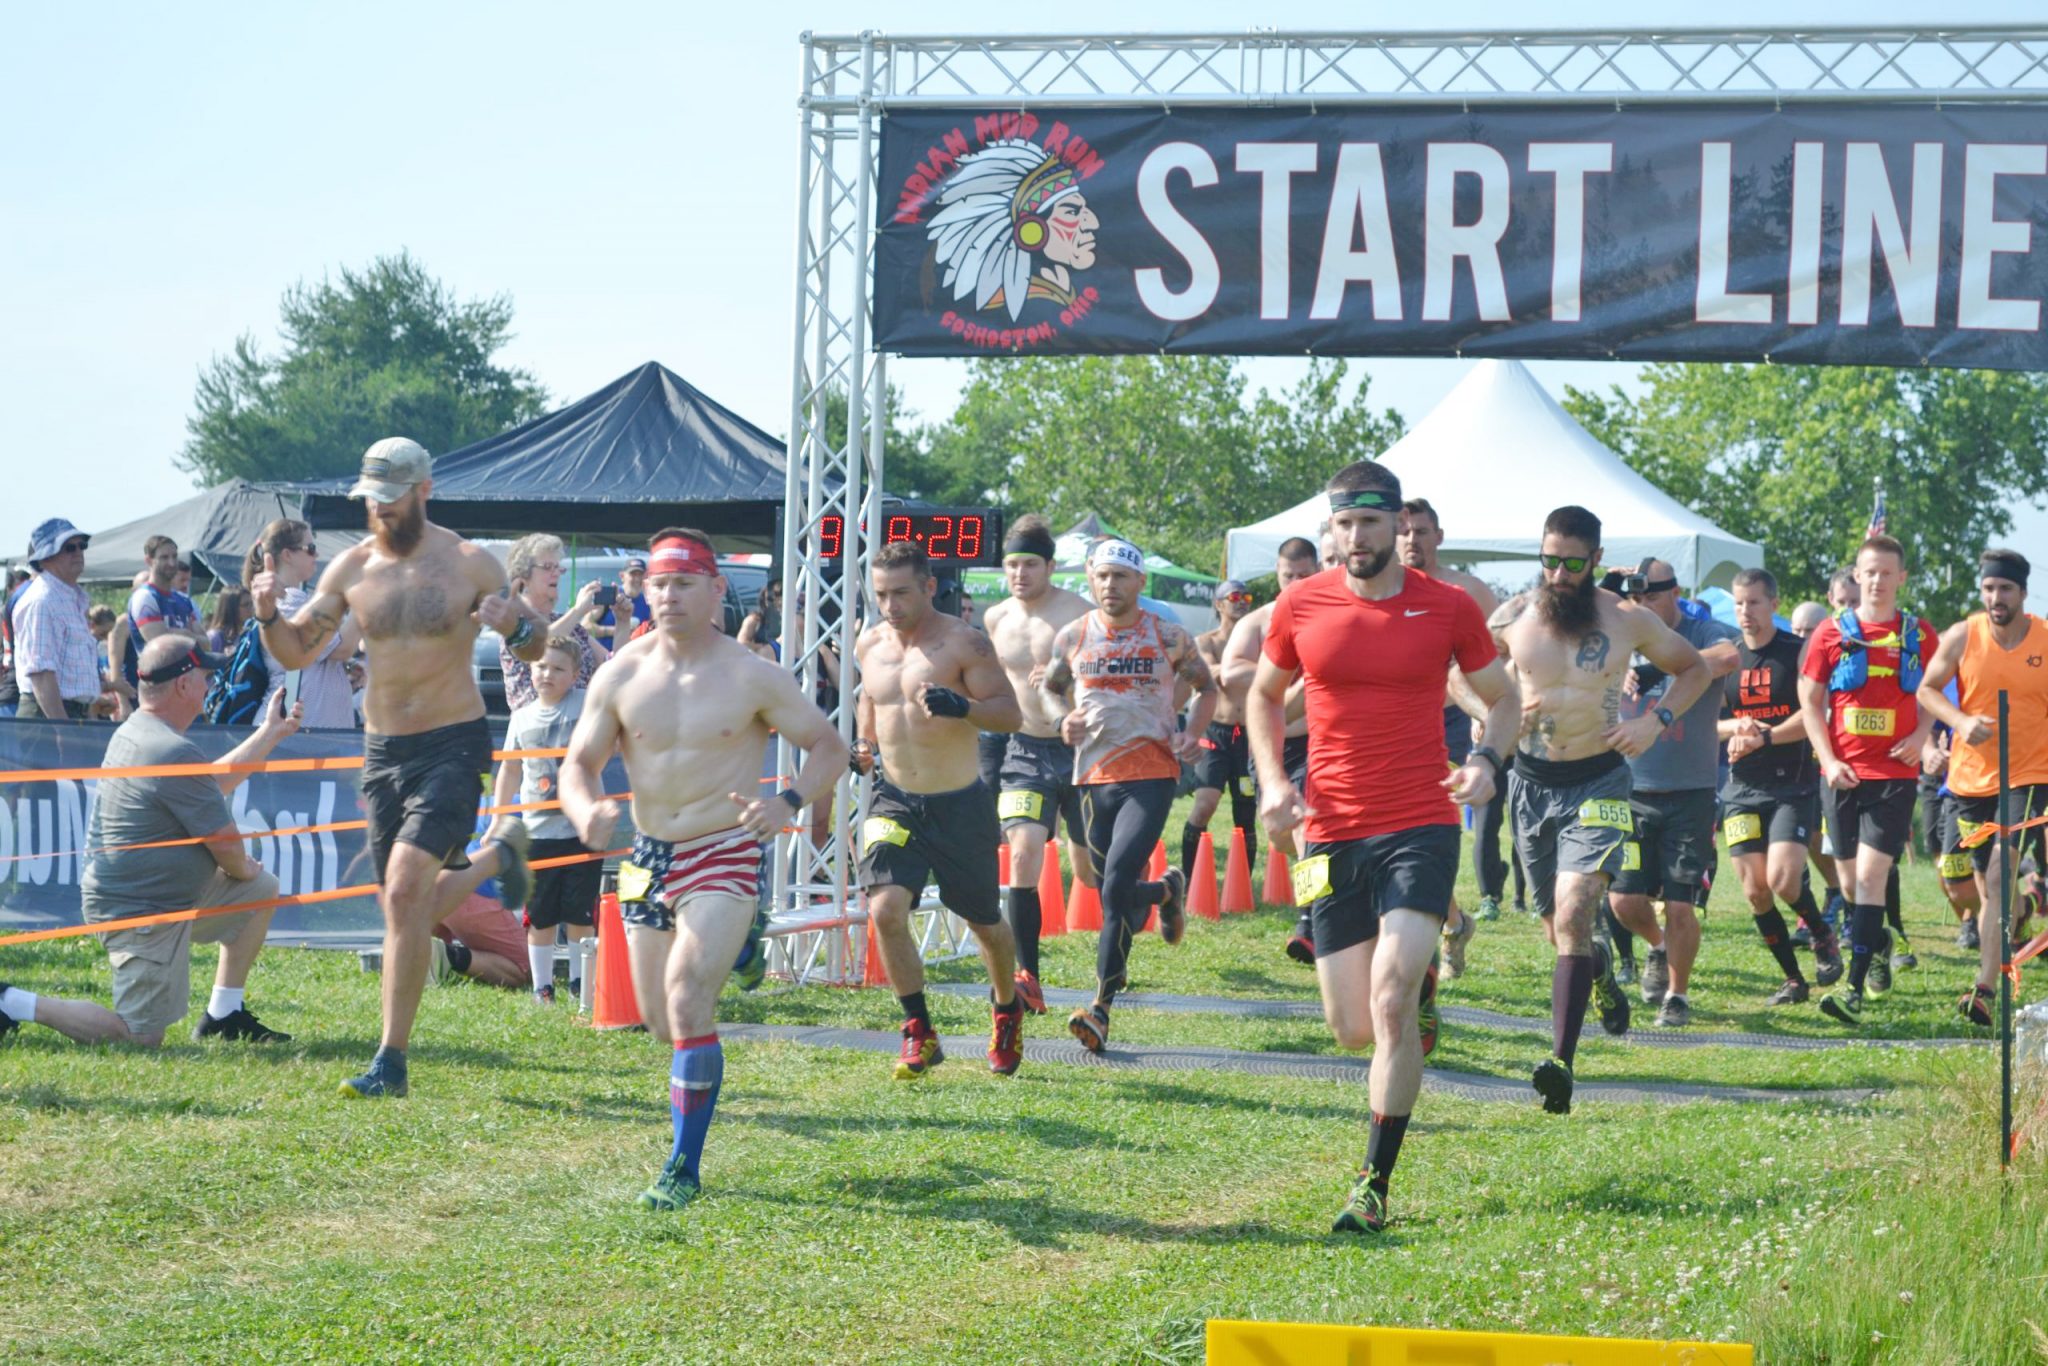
{"points": [[910, 838], [1224, 760], [1971, 813], [423, 790], [1674, 838], [1346, 885], [1036, 786], [565, 895], [1877, 812], [1752, 819]]}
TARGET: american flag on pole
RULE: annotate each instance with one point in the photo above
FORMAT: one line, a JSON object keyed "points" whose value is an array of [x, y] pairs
{"points": [[1877, 515]]}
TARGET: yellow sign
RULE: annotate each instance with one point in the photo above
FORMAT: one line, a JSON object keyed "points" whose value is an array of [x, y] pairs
{"points": [[1233, 1343]]}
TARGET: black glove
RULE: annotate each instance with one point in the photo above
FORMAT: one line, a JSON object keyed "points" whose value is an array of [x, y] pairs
{"points": [[945, 702]]}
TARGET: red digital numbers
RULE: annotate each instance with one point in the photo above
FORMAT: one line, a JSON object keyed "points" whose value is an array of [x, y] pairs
{"points": [[967, 538], [945, 536], [831, 536], [942, 532], [899, 530]]}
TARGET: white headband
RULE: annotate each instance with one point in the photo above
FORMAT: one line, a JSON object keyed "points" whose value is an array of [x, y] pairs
{"points": [[1118, 553]]}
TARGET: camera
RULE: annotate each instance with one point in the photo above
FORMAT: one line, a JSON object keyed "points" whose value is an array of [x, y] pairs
{"points": [[607, 595]]}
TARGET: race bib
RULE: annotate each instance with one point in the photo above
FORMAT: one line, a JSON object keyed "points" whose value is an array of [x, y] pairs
{"points": [[881, 830], [1246, 787], [1965, 829], [1954, 867], [1743, 827], [1311, 877], [1025, 805], [1872, 721], [634, 882], [1607, 813], [1631, 857]]}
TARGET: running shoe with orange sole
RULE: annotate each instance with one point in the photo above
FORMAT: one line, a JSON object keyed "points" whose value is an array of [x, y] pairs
{"points": [[1005, 1044], [1090, 1025], [921, 1051], [1031, 992]]}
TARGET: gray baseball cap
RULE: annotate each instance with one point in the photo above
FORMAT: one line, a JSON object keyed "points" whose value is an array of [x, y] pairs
{"points": [[391, 468]]}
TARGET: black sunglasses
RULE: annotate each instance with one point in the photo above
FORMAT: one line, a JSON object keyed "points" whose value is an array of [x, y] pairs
{"points": [[1575, 564]]}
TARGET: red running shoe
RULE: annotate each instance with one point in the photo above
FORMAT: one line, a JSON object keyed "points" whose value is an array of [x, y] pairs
{"points": [[1427, 1021], [1005, 1047], [1030, 992], [921, 1051]]}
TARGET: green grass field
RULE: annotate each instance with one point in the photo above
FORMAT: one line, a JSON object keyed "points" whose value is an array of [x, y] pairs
{"points": [[210, 1203]]}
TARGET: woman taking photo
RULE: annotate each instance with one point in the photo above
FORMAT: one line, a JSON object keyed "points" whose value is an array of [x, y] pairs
{"points": [[286, 548], [534, 565]]}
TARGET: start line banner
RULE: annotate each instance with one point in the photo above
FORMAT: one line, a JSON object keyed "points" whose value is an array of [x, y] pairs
{"points": [[1870, 234]]}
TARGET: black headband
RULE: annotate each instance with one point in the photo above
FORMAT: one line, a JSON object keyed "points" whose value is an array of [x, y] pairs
{"points": [[1378, 500], [1996, 566], [1037, 541]]}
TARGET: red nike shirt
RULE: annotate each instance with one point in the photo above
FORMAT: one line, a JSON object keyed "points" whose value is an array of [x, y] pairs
{"points": [[1375, 674], [1864, 723]]}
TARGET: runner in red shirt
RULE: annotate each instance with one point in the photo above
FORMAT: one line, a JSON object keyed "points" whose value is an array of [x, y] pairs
{"points": [[1374, 642], [1856, 688]]}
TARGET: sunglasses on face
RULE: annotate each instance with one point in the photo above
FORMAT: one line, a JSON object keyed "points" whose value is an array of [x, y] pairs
{"points": [[72, 548], [1573, 564], [1239, 598]]}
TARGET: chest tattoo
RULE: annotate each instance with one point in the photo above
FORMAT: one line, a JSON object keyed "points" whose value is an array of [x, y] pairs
{"points": [[1593, 652]]}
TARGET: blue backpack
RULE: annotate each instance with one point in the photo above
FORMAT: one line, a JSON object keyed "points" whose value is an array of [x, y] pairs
{"points": [[235, 697], [1853, 670]]}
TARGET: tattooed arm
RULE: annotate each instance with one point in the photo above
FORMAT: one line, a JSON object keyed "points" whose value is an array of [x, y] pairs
{"points": [[1193, 670], [296, 641]]}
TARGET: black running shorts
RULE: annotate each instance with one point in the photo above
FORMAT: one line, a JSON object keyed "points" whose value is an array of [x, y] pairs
{"points": [[423, 790], [1346, 885], [1877, 812], [910, 838]]}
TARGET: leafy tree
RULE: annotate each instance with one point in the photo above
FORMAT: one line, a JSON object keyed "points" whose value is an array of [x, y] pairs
{"points": [[381, 352], [1791, 456]]}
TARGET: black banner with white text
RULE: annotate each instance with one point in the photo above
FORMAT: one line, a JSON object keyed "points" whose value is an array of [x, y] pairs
{"points": [[1878, 234]]}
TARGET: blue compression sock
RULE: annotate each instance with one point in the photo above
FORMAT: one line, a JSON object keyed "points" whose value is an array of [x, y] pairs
{"points": [[693, 1082]]}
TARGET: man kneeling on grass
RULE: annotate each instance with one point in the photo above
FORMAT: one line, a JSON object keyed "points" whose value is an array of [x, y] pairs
{"points": [[167, 843]]}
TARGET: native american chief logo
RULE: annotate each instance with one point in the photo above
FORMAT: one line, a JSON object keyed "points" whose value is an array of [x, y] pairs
{"points": [[1013, 229]]}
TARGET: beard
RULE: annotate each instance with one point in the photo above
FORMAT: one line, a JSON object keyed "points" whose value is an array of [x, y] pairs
{"points": [[404, 533], [1571, 612], [1368, 564], [2001, 615]]}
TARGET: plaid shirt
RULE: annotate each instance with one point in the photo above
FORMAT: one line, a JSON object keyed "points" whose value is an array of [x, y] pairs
{"points": [[51, 635]]}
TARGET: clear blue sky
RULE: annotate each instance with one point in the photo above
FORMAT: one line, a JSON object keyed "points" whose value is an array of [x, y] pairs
{"points": [[625, 172]]}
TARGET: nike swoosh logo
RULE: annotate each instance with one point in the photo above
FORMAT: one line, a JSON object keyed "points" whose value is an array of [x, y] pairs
{"points": [[1411, 612]]}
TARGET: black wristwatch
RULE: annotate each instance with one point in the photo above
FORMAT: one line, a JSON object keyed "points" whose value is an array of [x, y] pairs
{"points": [[1664, 717], [789, 795], [1486, 752]]}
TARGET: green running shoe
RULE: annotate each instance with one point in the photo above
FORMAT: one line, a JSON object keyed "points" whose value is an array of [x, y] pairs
{"points": [[671, 1190], [1903, 957], [1878, 980], [1365, 1211], [1454, 946], [750, 969], [1489, 908], [384, 1078], [1845, 1005], [1553, 1081]]}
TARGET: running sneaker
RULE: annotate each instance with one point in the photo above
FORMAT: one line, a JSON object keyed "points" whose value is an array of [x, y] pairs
{"points": [[1802, 937], [1967, 937], [1030, 992], [240, 1027], [2030, 905], [1607, 993], [1845, 1005], [1676, 1012], [7, 1022], [1365, 1211], [1976, 1006], [671, 1190], [1302, 946], [1428, 1022], [1173, 915], [921, 1051], [1791, 994], [1832, 911], [1454, 947], [1489, 908], [544, 995], [1553, 1082], [750, 969], [385, 1078], [1656, 977], [1625, 971], [1005, 1049], [438, 970], [1090, 1025], [1903, 957], [1879, 979], [1827, 960], [515, 879]]}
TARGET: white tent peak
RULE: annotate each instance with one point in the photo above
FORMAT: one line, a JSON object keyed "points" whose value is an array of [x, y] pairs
{"points": [[1493, 458]]}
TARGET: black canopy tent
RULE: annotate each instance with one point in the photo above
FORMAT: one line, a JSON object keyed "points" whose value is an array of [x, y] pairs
{"points": [[644, 452], [214, 528]]}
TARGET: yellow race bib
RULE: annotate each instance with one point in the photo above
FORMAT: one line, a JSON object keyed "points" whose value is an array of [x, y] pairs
{"points": [[634, 882], [1024, 805], [1954, 867], [1872, 721], [1607, 813], [1742, 827], [1246, 787], [1631, 857], [881, 830], [1311, 877]]}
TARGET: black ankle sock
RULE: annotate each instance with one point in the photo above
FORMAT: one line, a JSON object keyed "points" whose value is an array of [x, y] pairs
{"points": [[1571, 988], [1778, 938], [914, 1008], [1891, 901], [1190, 844], [1809, 914], [1383, 1148], [1026, 921], [1867, 926], [1624, 938], [459, 955]]}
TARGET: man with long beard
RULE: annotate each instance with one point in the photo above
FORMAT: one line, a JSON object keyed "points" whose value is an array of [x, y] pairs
{"points": [[1570, 782], [421, 593]]}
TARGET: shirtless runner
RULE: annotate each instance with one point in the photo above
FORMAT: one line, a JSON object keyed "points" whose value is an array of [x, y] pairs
{"points": [[1223, 763], [691, 710], [929, 683], [1297, 559], [1570, 642], [1035, 779], [421, 592]]}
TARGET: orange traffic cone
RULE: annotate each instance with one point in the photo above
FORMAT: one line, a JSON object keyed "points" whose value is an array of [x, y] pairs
{"points": [[1003, 864], [616, 1006], [1156, 869], [1084, 912], [1052, 900], [1279, 888], [1202, 886], [1237, 876], [871, 973]]}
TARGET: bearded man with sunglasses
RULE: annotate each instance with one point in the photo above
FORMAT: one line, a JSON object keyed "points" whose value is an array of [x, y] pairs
{"points": [[1570, 643]]}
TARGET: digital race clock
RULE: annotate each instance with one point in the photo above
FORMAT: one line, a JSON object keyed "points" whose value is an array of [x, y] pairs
{"points": [[953, 538]]}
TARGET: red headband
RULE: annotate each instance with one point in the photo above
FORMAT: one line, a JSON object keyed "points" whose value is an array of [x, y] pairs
{"points": [[681, 555]]}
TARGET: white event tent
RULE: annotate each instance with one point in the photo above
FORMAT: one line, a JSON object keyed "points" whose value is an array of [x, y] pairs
{"points": [[1493, 459]]}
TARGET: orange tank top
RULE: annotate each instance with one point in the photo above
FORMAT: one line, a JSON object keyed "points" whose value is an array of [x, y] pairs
{"points": [[2022, 673]]}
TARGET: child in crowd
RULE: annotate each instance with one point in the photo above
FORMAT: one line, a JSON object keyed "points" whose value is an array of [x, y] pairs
{"points": [[565, 895]]}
